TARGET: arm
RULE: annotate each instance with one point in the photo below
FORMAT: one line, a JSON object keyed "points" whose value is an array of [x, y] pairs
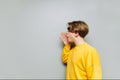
{"points": [[93, 68], [65, 53], [66, 49]]}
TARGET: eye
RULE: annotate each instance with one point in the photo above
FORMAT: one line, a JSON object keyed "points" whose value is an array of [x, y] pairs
{"points": [[68, 28]]}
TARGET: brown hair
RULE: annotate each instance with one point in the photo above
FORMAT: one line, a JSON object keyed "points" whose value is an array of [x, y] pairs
{"points": [[78, 27]]}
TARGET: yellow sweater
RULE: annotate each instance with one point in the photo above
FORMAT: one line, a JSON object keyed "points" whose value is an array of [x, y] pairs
{"points": [[82, 61]]}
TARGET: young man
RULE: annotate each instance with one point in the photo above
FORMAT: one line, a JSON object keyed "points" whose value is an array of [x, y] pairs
{"points": [[82, 59]]}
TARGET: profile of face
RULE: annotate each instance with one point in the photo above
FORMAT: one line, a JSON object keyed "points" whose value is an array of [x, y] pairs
{"points": [[71, 36]]}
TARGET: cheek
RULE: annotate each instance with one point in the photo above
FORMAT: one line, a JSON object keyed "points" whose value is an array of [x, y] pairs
{"points": [[70, 39]]}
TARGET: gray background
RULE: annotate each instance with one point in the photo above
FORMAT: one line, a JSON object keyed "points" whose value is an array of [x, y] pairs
{"points": [[30, 44]]}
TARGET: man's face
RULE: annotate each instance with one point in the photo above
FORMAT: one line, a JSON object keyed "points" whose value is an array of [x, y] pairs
{"points": [[71, 36]]}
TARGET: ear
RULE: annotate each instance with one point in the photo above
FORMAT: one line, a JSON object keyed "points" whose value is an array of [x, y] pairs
{"points": [[76, 34]]}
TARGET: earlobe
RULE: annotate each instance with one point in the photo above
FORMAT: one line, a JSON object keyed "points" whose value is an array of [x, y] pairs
{"points": [[77, 34]]}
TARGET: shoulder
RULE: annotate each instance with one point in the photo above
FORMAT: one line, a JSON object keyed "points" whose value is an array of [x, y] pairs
{"points": [[91, 50]]}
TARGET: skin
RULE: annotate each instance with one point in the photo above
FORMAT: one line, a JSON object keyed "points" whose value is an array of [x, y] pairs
{"points": [[68, 37]]}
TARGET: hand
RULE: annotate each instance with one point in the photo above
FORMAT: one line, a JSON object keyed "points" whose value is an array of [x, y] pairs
{"points": [[64, 38], [71, 36], [75, 38]]}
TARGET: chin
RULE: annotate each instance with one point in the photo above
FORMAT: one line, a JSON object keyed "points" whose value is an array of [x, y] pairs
{"points": [[70, 41]]}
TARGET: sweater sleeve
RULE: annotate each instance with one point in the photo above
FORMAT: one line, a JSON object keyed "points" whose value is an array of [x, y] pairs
{"points": [[93, 68], [65, 53]]}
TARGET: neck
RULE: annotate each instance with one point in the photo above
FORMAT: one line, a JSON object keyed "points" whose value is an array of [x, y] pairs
{"points": [[79, 41]]}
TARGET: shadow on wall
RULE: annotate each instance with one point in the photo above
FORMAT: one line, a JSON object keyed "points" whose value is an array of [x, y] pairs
{"points": [[87, 39]]}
